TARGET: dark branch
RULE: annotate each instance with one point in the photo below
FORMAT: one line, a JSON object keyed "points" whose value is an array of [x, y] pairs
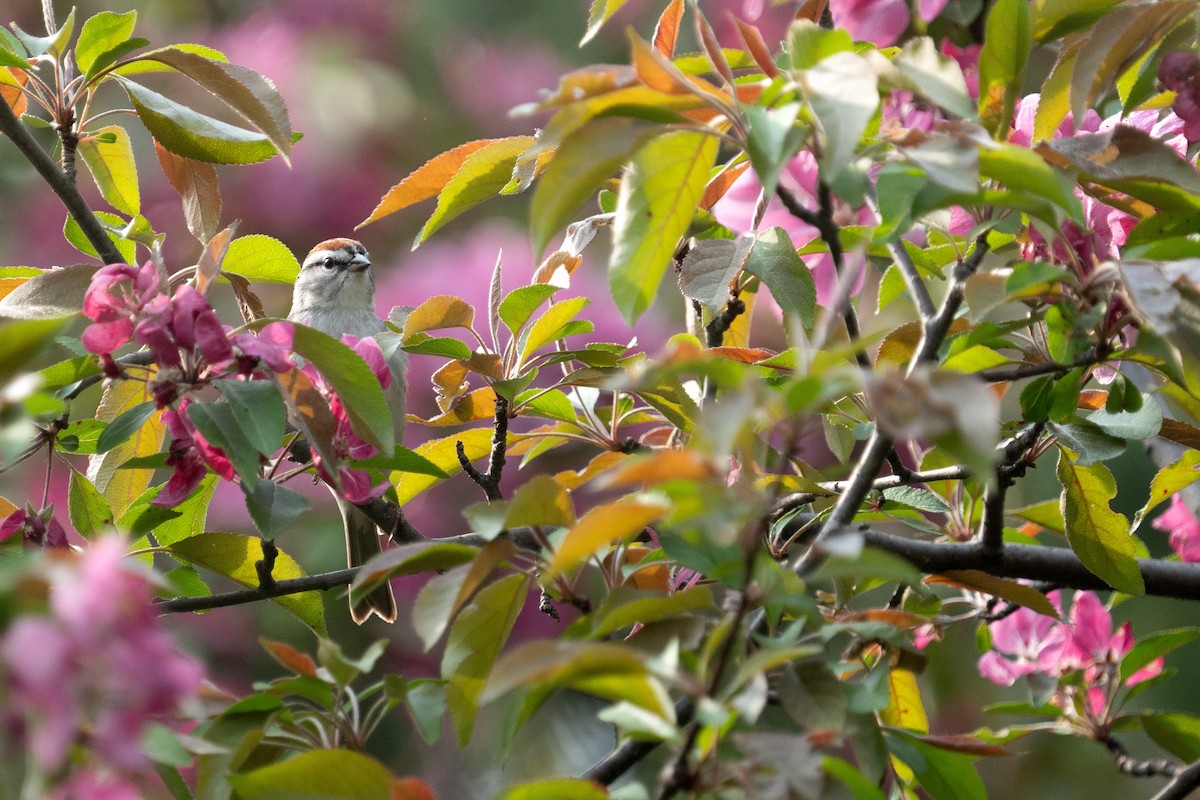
{"points": [[1090, 358], [58, 182], [490, 481], [1182, 785], [319, 582], [714, 331], [608, 769], [1128, 765]]}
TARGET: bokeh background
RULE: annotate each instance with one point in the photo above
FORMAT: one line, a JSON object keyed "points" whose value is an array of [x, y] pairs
{"points": [[378, 87]]}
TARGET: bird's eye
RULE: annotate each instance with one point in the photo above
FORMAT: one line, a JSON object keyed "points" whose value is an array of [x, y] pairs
{"points": [[328, 263]]}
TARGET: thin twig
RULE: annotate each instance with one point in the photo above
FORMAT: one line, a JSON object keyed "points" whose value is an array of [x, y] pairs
{"points": [[1128, 765], [58, 182], [908, 270], [1017, 372], [490, 481]]}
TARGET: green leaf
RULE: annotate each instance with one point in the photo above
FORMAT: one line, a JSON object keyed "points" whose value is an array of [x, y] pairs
{"points": [[109, 57], [140, 66], [273, 507], [540, 501], [939, 78], [600, 11], [1090, 443], [518, 306], [124, 426], [551, 326], [482, 175], [914, 497], [809, 43], [11, 53], [945, 774], [1097, 534], [90, 512], [1130, 425], [403, 460], [1006, 46], [354, 382], [100, 34], [110, 223], [557, 788], [218, 423], [426, 703], [1021, 169], [583, 161], [771, 141], [22, 339], [475, 640], [190, 134], [410, 559], [233, 555], [859, 785], [1179, 734], [317, 775], [54, 44], [1052, 19], [659, 194], [1169, 480], [1155, 645], [774, 260], [423, 344], [80, 436], [259, 412], [843, 91], [112, 167], [245, 91], [261, 259]]}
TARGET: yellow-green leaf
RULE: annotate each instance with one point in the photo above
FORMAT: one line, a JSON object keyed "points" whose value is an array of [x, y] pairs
{"points": [[233, 555], [1097, 534], [438, 312], [482, 175], [604, 525], [425, 181], [121, 487], [658, 196], [441, 452]]}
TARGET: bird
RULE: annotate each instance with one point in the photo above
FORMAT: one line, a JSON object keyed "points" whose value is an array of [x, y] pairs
{"points": [[335, 293]]}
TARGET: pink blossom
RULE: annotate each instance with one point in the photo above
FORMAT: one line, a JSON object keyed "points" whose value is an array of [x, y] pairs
{"points": [[368, 350], [968, 59], [1179, 521], [193, 323], [1023, 643], [1179, 72], [346, 444], [97, 669], [1097, 650], [35, 529], [878, 21], [272, 346], [117, 293], [90, 785], [191, 455]]}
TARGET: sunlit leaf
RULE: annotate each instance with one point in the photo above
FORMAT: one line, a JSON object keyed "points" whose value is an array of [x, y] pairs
{"points": [[1006, 45], [604, 525], [234, 555], [1097, 534], [196, 184], [658, 197], [600, 12], [100, 34], [481, 175], [321, 773], [426, 181]]}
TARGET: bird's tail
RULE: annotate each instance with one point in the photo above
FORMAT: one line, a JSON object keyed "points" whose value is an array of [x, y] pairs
{"points": [[362, 542]]}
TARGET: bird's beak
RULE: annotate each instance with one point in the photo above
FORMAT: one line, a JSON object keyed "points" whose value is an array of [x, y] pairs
{"points": [[358, 263]]}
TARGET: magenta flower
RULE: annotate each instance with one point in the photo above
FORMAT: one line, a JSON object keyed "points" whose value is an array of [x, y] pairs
{"points": [[191, 456], [272, 346], [1179, 72], [1179, 521], [193, 323], [968, 59], [1023, 643], [97, 670], [1097, 650], [116, 294], [35, 529], [879, 21]]}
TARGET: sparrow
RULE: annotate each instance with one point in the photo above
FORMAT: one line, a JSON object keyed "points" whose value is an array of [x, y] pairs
{"points": [[335, 293]]}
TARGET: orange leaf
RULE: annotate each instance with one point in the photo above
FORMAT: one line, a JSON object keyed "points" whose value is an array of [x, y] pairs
{"points": [[604, 525], [410, 789], [425, 181], [439, 311], [757, 46], [290, 657], [719, 185], [666, 32], [663, 465], [12, 95], [897, 619], [6, 507], [476, 405], [1092, 398], [196, 184], [1180, 433], [746, 355]]}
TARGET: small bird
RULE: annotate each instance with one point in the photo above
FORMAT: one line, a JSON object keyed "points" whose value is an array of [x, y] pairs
{"points": [[335, 293]]}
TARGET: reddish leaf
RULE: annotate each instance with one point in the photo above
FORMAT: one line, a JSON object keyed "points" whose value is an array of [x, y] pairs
{"points": [[666, 32], [425, 181], [757, 46], [712, 47], [290, 657], [196, 183], [15, 98], [965, 744], [209, 266], [719, 185], [1180, 433], [410, 789]]}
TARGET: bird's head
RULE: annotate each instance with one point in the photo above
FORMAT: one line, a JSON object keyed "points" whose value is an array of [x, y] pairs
{"points": [[336, 274]]}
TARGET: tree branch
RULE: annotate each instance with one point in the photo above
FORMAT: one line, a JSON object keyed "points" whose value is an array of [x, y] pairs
{"points": [[58, 182], [1182, 784], [490, 481], [908, 270]]}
